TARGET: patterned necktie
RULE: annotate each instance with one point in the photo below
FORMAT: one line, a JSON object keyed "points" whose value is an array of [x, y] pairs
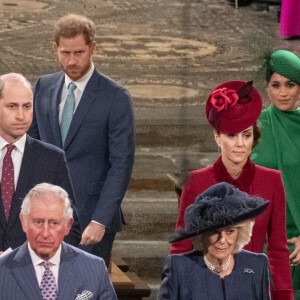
{"points": [[68, 111], [7, 180], [48, 285]]}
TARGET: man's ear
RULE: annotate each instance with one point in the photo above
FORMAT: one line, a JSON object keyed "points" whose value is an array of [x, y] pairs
{"points": [[68, 226], [93, 47], [23, 222], [55, 47]]}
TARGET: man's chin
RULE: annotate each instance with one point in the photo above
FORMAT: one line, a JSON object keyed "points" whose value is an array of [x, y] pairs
{"points": [[74, 74], [44, 252]]}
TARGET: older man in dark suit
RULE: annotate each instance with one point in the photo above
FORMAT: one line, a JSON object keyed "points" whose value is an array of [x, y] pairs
{"points": [[90, 117], [45, 267], [24, 162]]}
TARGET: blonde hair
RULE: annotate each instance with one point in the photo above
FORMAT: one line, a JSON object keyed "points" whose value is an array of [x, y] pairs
{"points": [[200, 241]]}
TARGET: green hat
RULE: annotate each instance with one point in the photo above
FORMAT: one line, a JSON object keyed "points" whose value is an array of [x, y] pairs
{"points": [[286, 64]]}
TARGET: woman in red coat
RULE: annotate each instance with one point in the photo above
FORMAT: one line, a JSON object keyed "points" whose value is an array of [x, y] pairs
{"points": [[233, 109]]}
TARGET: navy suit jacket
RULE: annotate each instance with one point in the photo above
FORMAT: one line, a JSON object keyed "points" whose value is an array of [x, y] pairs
{"points": [[41, 163], [186, 277], [79, 271], [99, 146]]}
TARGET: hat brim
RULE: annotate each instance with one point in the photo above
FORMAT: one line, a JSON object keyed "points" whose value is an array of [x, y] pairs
{"points": [[183, 234]]}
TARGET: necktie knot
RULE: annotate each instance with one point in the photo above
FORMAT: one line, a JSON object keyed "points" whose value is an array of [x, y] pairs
{"points": [[72, 86], [46, 265], [10, 148]]}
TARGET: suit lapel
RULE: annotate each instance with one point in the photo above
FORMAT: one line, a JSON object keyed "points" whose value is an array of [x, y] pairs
{"points": [[67, 278], [23, 181], [3, 222], [55, 97], [24, 273], [88, 97]]}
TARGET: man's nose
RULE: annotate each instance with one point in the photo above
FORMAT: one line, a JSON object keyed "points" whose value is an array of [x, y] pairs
{"points": [[73, 59], [20, 113], [45, 230]]}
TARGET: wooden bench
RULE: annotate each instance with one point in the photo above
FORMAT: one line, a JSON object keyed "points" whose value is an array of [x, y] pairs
{"points": [[127, 284]]}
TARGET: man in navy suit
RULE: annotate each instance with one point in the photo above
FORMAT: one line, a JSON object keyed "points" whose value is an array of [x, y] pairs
{"points": [[32, 161], [45, 267], [99, 142]]}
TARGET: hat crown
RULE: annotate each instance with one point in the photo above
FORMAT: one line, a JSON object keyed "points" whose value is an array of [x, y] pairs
{"points": [[219, 206], [233, 106], [286, 64]]}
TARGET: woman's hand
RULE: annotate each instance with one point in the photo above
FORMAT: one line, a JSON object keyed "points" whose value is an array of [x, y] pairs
{"points": [[295, 255]]}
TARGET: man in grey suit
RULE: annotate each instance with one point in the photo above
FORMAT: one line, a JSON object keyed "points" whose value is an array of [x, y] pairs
{"points": [[90, 117], [28, 161], [45, 267]]}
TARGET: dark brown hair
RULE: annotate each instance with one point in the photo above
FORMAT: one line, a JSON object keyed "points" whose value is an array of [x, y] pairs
{"points": [[256, 133], [72, 25]]}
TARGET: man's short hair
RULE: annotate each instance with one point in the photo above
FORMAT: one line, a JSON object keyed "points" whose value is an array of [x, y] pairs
{"points": [[12, 76], [45, 189], [72, 25]]}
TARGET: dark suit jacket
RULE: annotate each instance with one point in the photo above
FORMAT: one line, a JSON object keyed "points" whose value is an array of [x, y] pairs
{"points": [[186, 277], [79, 271], [41, 163], [99, 146]]}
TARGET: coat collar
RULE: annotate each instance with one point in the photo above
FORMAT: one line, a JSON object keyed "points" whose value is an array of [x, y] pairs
{"points": [[243, 182], [23, 270], [68, 280], [88, 97], [55, 98]]}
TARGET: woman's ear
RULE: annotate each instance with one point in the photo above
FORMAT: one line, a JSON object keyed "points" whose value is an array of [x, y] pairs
{"points": [[217, 138]]}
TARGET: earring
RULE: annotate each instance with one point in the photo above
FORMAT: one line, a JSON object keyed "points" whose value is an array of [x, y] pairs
{"points": [[219, 149]]}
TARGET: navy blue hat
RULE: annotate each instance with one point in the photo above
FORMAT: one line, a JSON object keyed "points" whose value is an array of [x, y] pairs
{"points": [[219, 206]]}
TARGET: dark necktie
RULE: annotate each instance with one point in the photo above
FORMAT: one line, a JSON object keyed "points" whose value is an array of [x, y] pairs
{"points": [[48, 285], [7, 180], [68, 111]]}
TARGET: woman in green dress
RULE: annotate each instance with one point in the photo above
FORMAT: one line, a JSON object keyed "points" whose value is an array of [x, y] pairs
{"points": [[279, 146]]}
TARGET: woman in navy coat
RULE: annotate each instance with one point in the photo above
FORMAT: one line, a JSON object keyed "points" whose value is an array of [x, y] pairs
{"points": [[218, 223]]}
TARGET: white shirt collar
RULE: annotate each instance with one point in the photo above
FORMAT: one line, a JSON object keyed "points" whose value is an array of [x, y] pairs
{"points": [[36, 260], [81, 82], [20, 143]]}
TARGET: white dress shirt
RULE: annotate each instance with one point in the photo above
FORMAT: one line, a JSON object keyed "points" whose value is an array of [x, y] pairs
{"points": [[39, 269], [80, 86], [16, 155]]}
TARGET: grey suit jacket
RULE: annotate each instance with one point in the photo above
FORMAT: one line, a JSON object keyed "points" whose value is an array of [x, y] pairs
{"points": [[78, 272], [99, 146], [41, 163]]}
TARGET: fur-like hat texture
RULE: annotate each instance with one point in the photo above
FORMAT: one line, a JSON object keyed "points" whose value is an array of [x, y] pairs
{"points": [[219, 206]]}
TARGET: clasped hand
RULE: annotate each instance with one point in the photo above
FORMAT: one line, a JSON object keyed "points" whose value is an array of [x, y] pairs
{"points": [[295, 255]]}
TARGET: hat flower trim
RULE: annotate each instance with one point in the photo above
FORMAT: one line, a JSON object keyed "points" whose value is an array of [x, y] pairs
{"points": [[224, 98]]}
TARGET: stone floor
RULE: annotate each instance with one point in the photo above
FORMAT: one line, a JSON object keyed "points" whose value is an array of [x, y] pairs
{"points": [[170, 55]]}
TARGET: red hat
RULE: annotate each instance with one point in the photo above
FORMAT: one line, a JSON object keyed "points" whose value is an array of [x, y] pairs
{"points": [[233, 106]]}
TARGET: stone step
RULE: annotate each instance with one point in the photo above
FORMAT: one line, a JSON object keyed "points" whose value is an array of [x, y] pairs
{"points": [[175, 135], [143, 257], [149, 215], [153, 164]]}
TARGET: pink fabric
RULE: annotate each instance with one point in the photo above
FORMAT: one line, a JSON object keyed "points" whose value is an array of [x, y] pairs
{"points": [[290, 18]]}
